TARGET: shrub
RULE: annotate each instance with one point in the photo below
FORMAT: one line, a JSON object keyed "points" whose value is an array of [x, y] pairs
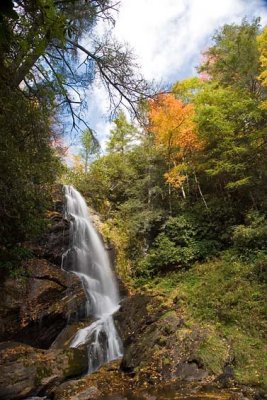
{"points": [[182, 242], [253, 234]]}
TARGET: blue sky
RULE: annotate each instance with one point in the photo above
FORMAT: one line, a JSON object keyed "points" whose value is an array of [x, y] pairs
{"points": [[168, 38]]}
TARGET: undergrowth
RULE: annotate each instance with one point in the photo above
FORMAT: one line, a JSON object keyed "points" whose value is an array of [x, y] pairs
{"points": [[227, 296]]}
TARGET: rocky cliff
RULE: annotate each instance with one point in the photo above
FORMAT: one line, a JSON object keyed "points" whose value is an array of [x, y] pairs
{"points": [[40, 310]]}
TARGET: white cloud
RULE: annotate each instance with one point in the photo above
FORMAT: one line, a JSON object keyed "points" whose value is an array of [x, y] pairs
{"points": [[168, 38]]}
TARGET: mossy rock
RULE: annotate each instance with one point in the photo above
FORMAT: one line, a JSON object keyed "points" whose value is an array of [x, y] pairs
{"points": [[28, 371], [77, 361], [157, 345]]}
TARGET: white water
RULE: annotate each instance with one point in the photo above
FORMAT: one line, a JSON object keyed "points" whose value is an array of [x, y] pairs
{"points": [[88, 259]]}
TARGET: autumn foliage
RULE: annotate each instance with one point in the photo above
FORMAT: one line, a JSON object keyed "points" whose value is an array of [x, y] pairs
{"points": [[172, 124], [262, 46]]}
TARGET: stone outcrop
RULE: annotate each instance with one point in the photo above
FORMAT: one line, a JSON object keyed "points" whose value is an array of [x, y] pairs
{"points": [[27, 371], [107, 380], [158, 344], [37, 306]]}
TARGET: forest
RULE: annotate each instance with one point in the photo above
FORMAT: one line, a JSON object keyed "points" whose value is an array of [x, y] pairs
{"points": [[180, 188], [184, 198]]}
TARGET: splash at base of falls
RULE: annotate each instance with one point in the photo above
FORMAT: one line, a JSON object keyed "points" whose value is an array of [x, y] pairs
{"points": [[87, 258]]}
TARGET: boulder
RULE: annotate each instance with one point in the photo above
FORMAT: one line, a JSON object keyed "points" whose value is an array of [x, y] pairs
{"points": [[35, 308], [76, 390], [106, 380], [158, 344], [27, 371]]}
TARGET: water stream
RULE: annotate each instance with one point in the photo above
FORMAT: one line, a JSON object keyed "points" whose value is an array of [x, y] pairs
{"points": [[88, 259]]}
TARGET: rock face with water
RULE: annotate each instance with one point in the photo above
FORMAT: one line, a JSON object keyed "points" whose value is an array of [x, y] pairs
{"points": [[34, 309], [87, 258]]}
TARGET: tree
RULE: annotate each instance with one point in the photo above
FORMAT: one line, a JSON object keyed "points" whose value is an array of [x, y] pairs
{"points": [[122, 135], [232, 126], [172, 123], [234, 57], [90, 147], [42, 49], [262, 45], [28, 167]]}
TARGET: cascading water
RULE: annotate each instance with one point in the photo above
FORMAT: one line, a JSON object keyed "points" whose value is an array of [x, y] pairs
{"points": [[88, 259]]}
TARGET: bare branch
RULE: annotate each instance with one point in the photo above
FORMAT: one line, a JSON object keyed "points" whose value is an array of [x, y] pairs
{"points": [[117, 70]]}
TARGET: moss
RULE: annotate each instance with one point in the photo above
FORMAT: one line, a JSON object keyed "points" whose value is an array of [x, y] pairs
{"points": [[214, 352], [169, 313], [225, 298], [77, 362], [162, 341], [250, 357], [41, 373], [166, 361]]}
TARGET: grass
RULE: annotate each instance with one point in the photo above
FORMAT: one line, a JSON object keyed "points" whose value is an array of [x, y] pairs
{"points": [[227, 296]]}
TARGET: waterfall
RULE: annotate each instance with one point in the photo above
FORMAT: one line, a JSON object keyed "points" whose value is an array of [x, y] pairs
{"points": [[88, 259]]}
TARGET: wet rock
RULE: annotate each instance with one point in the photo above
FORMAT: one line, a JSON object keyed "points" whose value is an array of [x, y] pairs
{"points": [[36, 398], [35, 308], [26, 371], [147, 396], [90, 393], [55, 241], [135, 314], [65, 337]]}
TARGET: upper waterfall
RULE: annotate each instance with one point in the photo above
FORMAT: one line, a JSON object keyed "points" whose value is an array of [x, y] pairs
{"points": [[88, 258]]}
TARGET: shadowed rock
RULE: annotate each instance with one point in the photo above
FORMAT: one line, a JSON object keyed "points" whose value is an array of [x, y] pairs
{"points": [[26, 371]]}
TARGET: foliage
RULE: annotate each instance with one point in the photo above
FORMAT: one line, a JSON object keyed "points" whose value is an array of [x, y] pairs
{"points": [[262, 46], [11, 260], [234, 57], [252, 235], [232, 125], [186, 89], [184, 241], [227, 295], [41, 45], [90, 147], [214, 351], [128, 189], [44, 67], [28, 166], [185, 204], [171, 121], [122, 135], [207, 139]]}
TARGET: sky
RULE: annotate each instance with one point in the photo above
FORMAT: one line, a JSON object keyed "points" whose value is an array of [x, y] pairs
{"points": [[168, 37]]}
